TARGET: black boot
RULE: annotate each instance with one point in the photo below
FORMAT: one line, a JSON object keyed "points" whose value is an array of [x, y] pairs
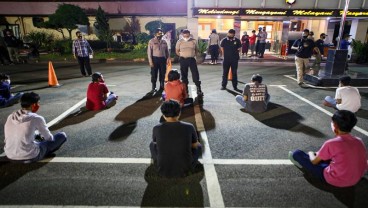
{"points": [[199, 91], [199, 95], [153, 87]]}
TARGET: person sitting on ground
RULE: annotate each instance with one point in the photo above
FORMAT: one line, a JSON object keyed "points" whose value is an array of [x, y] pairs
{"points": [[346, 97], [6, 97], [22, 142], [176, 90], [98, 96], [255, 96], [341, 161], [174, 148]]}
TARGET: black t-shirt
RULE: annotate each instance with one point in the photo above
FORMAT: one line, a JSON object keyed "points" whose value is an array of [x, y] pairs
{"points": [[231, 48], [305, 48], [174, 148], [320, 44]]}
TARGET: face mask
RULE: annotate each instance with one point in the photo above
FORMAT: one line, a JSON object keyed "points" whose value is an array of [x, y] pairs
{"points": [[80, 37], [7, 81], [35, 108], [230, 37], [305, 36], [186, 39]]}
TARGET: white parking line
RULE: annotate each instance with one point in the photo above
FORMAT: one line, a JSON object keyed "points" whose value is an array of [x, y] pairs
{"points": [[213, 184], [319, 108], [66, 113]]}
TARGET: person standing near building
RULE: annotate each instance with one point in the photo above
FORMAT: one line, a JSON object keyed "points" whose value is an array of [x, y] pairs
{"points": [[320, 45], [187, 48], [344, 45], [214, 47], [158, 57], [304, 47], [82, 51], [230, 47], [252, 42], [245, 44], [12, 44], [262, 42], [167, 38], [257, 43]]}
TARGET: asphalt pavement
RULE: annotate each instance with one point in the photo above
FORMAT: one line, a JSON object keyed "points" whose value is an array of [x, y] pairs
{"points": [[106, 160]]}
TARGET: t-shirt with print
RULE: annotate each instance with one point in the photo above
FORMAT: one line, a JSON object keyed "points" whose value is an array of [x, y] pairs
{"points": [[305, 48], [350, 98], [174, 148], [257, 97], [175, 90], [95, 96], [348, 157]]}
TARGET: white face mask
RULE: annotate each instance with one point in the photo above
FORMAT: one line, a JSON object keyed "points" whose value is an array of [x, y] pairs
{"points": [[7, 81], [186, 39]]}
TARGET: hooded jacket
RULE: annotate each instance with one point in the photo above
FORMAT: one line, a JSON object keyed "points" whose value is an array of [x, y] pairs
{"points": [[19, 132]]}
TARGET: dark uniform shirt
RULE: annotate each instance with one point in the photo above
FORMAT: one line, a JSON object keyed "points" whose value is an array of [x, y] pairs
{"points": [[320, 44], [305, 48], [231, 48]]}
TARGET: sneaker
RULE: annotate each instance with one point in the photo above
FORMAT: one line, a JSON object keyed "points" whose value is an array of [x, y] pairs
{"points": [[223, 88], [293, 161]]}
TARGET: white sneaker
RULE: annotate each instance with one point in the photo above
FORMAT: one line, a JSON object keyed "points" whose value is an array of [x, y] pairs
{"points": [[294, 161]]}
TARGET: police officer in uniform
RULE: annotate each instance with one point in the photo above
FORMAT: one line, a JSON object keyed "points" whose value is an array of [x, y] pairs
{"points": [[230, 47], [187, 48], [158, 57]]}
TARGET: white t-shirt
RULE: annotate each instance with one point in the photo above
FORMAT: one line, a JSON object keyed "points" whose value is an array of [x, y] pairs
{"points": [[350, 98]]}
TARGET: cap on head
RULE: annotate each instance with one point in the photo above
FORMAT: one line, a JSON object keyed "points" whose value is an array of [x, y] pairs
{"points": [[232, 31], [186, 31], [158, 32], [322, 34], [214, 31], [96, 76], [311, 33]]}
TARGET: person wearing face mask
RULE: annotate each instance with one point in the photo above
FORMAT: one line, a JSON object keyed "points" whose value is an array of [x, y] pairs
{"points": [[230, 47], [82, 51], [304, 47], [6, 97], [158, 58], [12, 43], [187, 48], [22, 143], [262, 36], [252, 42], [341, 161], [346, 97], [318, 51], [245, 44]]}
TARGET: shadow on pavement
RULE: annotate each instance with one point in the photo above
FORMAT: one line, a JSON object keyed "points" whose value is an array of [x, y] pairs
{"points": [[131, 114], [11, 172], [279, 117], [179, 192], [362, 113], [78, 117], [354, 196]]}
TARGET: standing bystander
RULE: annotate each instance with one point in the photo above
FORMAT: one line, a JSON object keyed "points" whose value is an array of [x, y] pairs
{"points": [[82, 50]]}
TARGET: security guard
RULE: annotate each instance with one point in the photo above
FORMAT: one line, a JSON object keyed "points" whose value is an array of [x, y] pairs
{"points": [[187, 48], [158, 57]]}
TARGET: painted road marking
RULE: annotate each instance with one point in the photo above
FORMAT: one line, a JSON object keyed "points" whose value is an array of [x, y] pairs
{"points": [[319, 108], [212, 182], [66, 113]]}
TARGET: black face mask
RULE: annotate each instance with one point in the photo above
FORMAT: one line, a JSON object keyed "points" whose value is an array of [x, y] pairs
{"points": [[305, 36], [159, 37], [79, 36], [230, 37]]}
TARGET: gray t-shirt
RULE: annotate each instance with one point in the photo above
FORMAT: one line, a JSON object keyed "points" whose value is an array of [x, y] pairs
{"points": [[257, 97]]}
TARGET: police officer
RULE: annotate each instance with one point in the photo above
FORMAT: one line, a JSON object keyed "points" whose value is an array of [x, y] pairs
{"points": [[230, 47], [187, 48], [158, 57]]}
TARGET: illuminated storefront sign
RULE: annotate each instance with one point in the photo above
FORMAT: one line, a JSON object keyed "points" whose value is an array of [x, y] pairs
{"points": [[280, 12]]}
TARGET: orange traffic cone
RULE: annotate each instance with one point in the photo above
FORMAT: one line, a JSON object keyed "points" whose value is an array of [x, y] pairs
{"points": [[53, 82], [230, 75]]}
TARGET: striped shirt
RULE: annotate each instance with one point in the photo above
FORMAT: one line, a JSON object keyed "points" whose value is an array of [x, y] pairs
{"points": [[81, 48]]}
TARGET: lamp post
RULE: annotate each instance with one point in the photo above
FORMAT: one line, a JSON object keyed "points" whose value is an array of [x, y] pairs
{"points": [[342, 24]]}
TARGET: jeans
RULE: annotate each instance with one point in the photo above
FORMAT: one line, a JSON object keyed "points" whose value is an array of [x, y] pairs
{"points": [[315, 170], [84, 65], [109, 100], [214, 51], [195, 153], [331, 101], [12, 100], [240, 100], [262, 48], [159, 67], [226, 65], [48, 147]]}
